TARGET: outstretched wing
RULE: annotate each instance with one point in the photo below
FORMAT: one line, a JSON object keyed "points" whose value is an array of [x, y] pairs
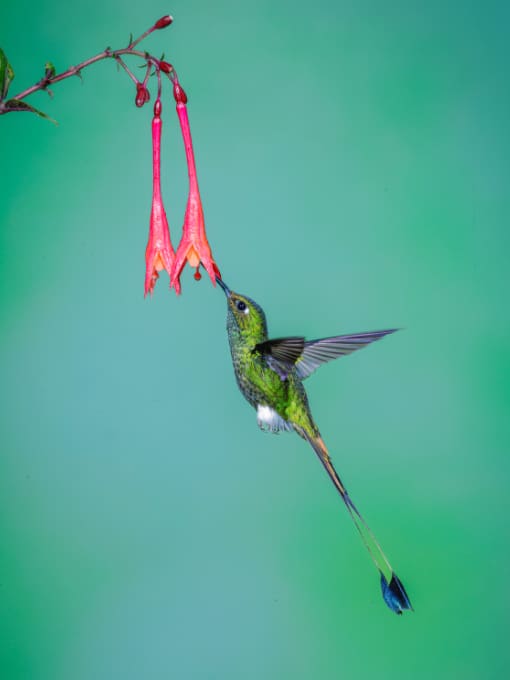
{"points": [[283, 354], [318, 352]]}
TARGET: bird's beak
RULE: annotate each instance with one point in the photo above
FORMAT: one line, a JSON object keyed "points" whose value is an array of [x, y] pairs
{"points": [[224, 286]]}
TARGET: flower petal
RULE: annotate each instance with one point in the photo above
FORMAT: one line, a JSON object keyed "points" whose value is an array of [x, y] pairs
{"points": [[178, 264]]}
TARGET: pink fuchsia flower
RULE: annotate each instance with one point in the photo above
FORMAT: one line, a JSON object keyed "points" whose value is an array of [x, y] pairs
{"points": [[159, 253], [194, 247]]}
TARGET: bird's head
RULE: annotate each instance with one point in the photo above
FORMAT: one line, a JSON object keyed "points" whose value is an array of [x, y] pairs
{"points": [[244, 314]]}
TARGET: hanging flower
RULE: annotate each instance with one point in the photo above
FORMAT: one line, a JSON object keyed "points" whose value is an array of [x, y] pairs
{"points": [[194, 247], [159, 253]]}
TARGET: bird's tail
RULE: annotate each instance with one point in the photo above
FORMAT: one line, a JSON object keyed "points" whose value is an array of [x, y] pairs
{"points": [[393, 591]]}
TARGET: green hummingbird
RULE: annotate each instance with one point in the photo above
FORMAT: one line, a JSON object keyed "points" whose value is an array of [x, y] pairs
{"points": [[270, 375]]}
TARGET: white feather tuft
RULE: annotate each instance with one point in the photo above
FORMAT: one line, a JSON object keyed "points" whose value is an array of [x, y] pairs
{"points": [[269, 421]]}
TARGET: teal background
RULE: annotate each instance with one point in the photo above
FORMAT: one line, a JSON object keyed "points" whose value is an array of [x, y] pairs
{"points": [[353, 162]]}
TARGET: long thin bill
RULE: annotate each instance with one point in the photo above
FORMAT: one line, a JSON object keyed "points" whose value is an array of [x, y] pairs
{"points": [[223, 286]]}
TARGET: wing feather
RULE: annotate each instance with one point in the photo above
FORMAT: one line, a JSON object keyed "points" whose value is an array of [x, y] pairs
{"points": [[283, 354], [288, 350], [318, 352]]}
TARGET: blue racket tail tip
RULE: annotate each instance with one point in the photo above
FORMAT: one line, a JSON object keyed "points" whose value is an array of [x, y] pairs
{"points": [[394, 594]]}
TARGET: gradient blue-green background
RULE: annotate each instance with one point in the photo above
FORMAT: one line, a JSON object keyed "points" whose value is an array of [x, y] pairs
{"points": [[353, 162]]}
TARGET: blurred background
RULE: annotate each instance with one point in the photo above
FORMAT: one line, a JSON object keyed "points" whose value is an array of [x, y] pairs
{"points": [[353, 163]]}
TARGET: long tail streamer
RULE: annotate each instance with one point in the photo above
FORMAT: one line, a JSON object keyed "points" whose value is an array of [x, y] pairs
{"points": [[393, 591]]}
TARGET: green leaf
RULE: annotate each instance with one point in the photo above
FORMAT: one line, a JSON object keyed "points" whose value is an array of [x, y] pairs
{"points": [[18, 105], [49, 70], [6, 74]]}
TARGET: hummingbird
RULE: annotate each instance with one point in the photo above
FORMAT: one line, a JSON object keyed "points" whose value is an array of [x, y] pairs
{"points": [[270, 374]]}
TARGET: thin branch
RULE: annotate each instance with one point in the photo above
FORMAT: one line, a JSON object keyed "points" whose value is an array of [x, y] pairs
{"points": [[122, 63], [108, 53]]}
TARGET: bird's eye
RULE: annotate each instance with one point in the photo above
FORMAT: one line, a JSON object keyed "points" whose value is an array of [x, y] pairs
{"points": [[241, 306]]}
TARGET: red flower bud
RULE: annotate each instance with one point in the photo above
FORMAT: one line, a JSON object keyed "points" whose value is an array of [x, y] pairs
{"points": [[163, 22], [142, 95], [179, 94], [166, 67], [157, 107], [140, 98]]}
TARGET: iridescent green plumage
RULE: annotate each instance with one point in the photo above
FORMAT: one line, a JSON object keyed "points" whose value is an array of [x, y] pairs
{"points": [[269, 373], [261, 385]]}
